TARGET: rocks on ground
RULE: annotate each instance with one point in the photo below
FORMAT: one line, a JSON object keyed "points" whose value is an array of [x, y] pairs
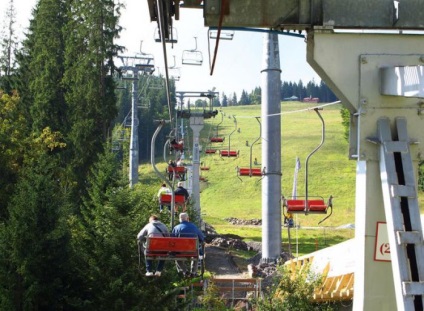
{"points": [[255, 267]]}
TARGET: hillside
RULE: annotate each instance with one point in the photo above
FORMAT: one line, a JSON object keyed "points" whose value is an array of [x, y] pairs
{"points": [[224, 195], [330, 171]]}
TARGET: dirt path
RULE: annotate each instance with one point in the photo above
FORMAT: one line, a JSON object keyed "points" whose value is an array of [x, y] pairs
{"points": [[220, 263]]}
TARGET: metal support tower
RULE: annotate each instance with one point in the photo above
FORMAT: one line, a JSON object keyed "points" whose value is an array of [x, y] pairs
{"points": [[134, 158], [132, 67], [271, 150]]}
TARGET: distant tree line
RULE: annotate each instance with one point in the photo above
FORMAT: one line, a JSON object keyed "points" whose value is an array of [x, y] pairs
{"points": [[288, 89]]}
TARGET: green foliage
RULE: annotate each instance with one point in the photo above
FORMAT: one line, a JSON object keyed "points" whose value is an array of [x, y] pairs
{"points": [[104, 237], [421, 176], [292, 290], [345, 114], [90, 97], [35, 241], [8, 47], [47, 67], [12, 145], [211, 300]]}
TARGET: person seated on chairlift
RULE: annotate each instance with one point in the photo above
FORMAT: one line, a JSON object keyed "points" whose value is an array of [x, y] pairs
{"points": [[188, 229], [163, 190], [288, 220], [153, 228], [181, 164], [182, 191], [171, 163], [177, 145]]}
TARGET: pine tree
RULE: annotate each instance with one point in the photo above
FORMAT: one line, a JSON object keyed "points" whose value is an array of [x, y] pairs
{"points": [[8, 47], [34, 243], [47, 68], [224, 100], [12, 147], [88, 79], [244, 99], [234, 101]]}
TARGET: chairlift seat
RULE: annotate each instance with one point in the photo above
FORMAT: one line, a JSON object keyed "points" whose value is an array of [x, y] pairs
{"points": [[204, 168], [192, 57], [250, 172], [177, 169], [166, 199], [315, 206], [225, 35], [171, 248], [201, 178], [210, 151], [228, 153], [178, 147], [217, 139]]}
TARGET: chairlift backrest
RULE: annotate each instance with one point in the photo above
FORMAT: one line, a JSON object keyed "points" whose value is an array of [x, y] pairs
{"points": [[173, 36], [224, 35], [192, 57]]}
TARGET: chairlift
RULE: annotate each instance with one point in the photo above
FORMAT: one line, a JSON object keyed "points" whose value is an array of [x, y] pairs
{"points": [[176, 145], [229, 152], [143, 102], [204, 167], [217, 139], [179, 172], [193, 4], [144, 62], [156, 82], [210, 151], [139, 63], [310, 204], [224, 35], [173, 35], [251, 171], [174, 71], [192, 57]]}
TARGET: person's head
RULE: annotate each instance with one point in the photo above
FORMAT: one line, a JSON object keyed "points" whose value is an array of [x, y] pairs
{"points": [[180, 184], [163, 185], [183, 217], [153, 218]]}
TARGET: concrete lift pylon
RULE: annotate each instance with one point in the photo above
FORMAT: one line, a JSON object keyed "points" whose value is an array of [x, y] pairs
{"points": [[196, 123]]}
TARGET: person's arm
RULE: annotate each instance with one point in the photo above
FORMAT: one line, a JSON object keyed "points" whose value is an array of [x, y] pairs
{"points": [[142, 233], [200, 235]]}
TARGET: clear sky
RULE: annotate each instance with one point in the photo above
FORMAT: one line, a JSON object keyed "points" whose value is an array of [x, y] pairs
{"points": [[238, 63]]}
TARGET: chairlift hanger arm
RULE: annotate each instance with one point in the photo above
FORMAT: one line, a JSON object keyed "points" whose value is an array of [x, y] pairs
{"points": [[257, 139], [315, 150], [229, 136]]}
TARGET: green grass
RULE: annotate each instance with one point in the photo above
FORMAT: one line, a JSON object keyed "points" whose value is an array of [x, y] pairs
{"points": [[330, 173]]}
